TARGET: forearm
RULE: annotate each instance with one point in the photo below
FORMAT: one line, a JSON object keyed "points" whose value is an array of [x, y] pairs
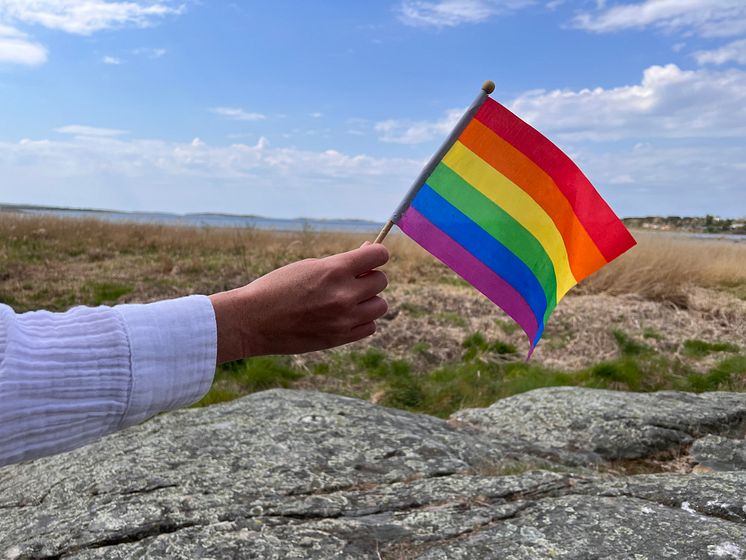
{"points": [[69, 378]]}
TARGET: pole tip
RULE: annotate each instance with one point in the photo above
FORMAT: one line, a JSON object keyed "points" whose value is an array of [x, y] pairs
{"points": [[488, 86]]}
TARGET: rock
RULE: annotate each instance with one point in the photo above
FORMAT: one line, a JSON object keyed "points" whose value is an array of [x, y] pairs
{"points": [[721, 495], [581, 426], [588, 527], [719, 453], [293, 474], [201, 467]]}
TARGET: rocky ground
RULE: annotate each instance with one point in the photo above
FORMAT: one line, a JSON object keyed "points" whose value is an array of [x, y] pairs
{"points": [[553, 473]]}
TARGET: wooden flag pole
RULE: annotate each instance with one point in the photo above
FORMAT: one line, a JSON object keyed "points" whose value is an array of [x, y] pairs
{"points": [[384, 231], [487, 88]]}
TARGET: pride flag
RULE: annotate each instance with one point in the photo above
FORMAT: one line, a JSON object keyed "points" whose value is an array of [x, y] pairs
{"points": [[510, 213]]}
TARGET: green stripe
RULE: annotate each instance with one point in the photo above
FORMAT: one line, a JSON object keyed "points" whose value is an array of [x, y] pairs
{"points": [[500, 225]]}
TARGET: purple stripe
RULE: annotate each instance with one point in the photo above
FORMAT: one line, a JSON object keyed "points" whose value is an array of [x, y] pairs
{"points": [[471, 269]]}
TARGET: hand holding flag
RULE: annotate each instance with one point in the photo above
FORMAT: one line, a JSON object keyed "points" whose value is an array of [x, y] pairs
{"points": [[511, 214]]}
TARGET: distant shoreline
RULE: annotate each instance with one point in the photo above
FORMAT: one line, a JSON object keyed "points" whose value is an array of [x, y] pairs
{"points": [[691, 227], [200, 219]]}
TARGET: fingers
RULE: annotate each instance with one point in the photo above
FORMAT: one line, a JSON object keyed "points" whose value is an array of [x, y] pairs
{"points": [[361, 331], [370, 284], [363, 259], [370, 310]]}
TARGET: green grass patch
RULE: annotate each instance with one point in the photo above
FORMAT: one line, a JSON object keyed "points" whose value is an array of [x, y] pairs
{"points": [[104, 293], [629, 346], [321, 368], [450, 318], [7, 299], [453, 280], [476, 345], [478, 380], [500, 347], [420, 347], [508, 327], [414, 310], [651, 333], [700, 348], [242, 377], [218, 395], [625, 372], [726, 375]]}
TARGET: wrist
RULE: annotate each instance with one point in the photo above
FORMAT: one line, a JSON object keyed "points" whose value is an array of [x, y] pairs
{"points": [[236, 338]]}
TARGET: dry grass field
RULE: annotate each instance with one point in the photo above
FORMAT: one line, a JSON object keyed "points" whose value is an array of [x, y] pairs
{"points": [[671, 313]]}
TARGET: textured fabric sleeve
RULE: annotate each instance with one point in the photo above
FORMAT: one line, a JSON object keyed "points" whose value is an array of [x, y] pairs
{"points": [[174, 348], [69, 378]]}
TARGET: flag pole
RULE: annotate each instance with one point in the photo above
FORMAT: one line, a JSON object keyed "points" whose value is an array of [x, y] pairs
{"points": [[487, 88]]}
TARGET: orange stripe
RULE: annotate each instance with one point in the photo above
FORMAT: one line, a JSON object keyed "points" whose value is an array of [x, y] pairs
{"points": [[584, 256]]}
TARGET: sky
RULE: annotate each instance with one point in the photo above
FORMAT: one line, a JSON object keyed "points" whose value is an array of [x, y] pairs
{"points": [[329, 109]]}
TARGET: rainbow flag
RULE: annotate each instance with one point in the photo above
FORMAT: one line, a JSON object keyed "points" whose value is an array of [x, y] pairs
{"points": [[510, 213]]}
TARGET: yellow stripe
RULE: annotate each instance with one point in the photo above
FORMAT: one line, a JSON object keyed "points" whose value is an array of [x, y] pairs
{"points": [[519, 204]]}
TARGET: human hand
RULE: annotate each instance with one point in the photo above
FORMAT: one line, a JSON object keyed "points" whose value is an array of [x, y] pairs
{"points": [[307, 305]]}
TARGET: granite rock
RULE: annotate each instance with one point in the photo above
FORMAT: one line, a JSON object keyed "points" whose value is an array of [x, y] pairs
{"points": [[720, 453], [584, 426], [295, 474]]}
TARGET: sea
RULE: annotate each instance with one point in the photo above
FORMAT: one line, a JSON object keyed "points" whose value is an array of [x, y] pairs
{"points": [[278, 224], [205, 220]]}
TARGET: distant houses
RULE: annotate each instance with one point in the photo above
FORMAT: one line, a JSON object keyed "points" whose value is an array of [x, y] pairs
{"points": [[698, 224]]}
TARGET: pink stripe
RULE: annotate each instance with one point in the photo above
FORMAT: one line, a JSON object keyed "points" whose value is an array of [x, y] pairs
{"points": [[471, 269]]}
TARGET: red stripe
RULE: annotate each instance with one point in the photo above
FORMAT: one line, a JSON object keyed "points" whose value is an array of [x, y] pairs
{"points": [[605, 228]]}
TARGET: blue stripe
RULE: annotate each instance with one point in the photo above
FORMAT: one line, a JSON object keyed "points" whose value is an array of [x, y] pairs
{"points": [[483, 246]]}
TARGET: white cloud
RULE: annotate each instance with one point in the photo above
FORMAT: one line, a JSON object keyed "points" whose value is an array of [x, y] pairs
{"points": [[669, 180], [195, 176], [284, 182], [237, 114], [709, 18], [90, 131], [81, 17], [17, 48], [417, 132], [149, 52], [670, 144], [668, 103], [450, 13], [84, 17], [732, 52]]}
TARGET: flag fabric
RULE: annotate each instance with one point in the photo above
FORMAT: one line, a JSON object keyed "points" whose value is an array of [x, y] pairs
{"points": [[510, 213]]}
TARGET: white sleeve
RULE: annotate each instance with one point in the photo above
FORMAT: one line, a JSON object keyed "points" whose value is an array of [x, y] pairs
{"points": [[69, 378]]}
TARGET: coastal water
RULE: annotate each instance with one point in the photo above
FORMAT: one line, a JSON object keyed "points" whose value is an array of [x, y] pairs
{"points": [[211, 220], [734, 237], [260, 222]]}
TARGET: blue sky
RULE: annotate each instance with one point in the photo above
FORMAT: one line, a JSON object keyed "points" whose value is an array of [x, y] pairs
{"points": [[329, 109]]}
